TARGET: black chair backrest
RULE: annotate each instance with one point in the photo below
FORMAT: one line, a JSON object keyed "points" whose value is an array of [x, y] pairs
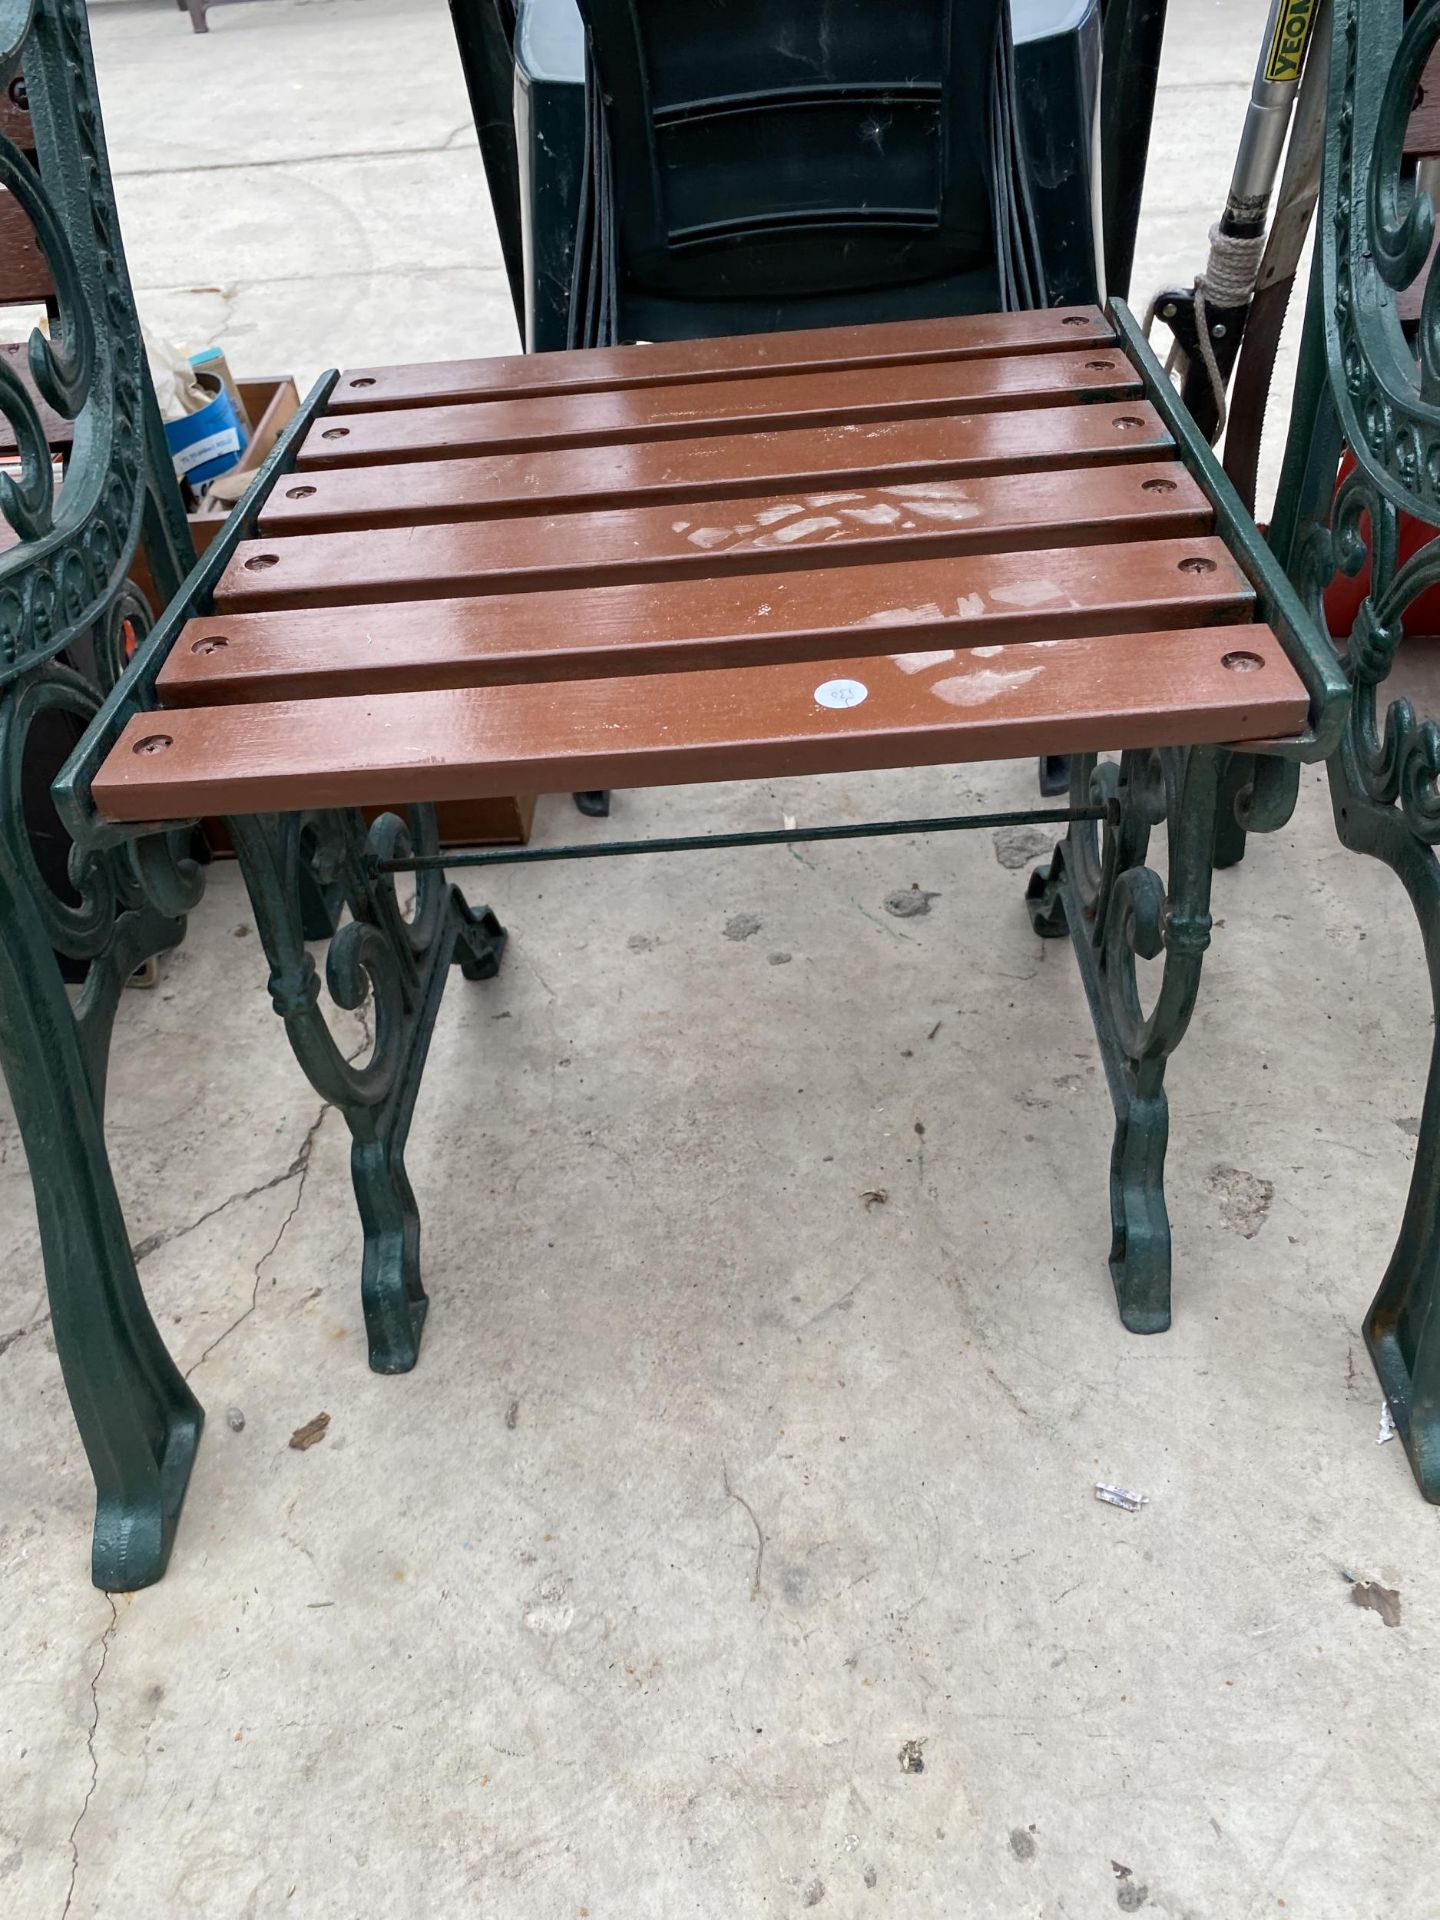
{"points": [[763, 150]]}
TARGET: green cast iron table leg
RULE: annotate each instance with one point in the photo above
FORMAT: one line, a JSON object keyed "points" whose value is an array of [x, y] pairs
{"points": [[400, 964], [138, 1420], [1117, 910]]}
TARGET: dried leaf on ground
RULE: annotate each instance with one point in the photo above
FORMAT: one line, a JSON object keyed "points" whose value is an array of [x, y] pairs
{"points": [[312, 1431]]}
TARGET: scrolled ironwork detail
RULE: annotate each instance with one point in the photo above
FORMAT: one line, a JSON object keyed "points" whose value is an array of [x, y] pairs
{"points": [[75, 543], [69, 617], [1119, 912], [1369, 384], [397, 963]]}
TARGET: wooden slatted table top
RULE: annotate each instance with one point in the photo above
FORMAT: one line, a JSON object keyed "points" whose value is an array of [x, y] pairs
{"points": [[933, 541]]}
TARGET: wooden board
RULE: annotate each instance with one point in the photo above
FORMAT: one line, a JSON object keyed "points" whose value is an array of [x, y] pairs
{"points": [[961, 337], [25, 277], [15, 122], [745, 723], [818, 398], [671, 625], [1422, 133], [995, 512], [59, 432], [712, 467]]}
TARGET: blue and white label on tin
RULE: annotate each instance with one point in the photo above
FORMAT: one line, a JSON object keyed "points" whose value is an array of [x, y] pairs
{"points": [[841, 693]]}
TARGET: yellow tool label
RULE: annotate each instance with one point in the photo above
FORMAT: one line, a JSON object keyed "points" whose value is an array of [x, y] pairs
{"points": [[1287, 49]]}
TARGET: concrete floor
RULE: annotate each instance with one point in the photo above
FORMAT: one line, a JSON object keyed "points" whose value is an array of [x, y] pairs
{"points": [[722, 1490]]}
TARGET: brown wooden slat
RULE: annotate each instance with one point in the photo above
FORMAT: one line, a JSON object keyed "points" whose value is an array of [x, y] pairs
{"points": [[15, 121], [960, 337], [24, 271], [712, 467], [667, 626], [1422, 133], [59, 432], [820, 398], [742, 723], [996, 512], [1410, 300]]}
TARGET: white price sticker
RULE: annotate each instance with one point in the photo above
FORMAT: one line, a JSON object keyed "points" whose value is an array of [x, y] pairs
{"points": [[841, 693]]}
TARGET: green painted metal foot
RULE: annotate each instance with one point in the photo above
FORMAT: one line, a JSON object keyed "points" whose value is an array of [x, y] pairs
{"points": [[391, 1293], [480, 944], [1140, 1246], [135, 1527], [1044, 901], [1402, 1328]]}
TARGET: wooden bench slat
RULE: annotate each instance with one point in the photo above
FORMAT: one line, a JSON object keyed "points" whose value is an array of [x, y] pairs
{"points": [[672, 625], [1151, 689], [25, 276], [994, 512], [961, 337], [59, 432], [816, 398], [711, 467]]}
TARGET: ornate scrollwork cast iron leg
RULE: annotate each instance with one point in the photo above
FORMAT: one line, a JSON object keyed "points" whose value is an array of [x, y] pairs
{"points": [[1383, 790], [1369, 384], [1117, 911], [139, 1422], [1402, 1326], [399, 963], [68, 615]]}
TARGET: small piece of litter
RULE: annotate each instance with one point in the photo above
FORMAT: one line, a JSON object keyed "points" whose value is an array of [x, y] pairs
{"points": [[235, 1420], [789, 820], [1121, 1873], [512, 1415], [1120, 1497], [1388, 1428], [312, 1431], [912, 1757], [875, 1197], [1382, 1600]]}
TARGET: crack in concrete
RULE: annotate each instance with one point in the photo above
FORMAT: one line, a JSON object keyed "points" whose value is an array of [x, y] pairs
{"points": [[7, 1340], [494, 268], [299, 1166], [144, 1248], [741, 1501], [298, 160], [105, 1642], [153, 1242]]}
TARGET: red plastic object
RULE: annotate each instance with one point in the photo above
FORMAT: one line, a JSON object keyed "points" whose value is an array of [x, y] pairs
{"points": [[1346, 591]]}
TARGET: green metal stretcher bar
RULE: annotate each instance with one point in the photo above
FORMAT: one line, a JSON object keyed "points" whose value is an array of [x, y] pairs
{"points": [[722, 842]]}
